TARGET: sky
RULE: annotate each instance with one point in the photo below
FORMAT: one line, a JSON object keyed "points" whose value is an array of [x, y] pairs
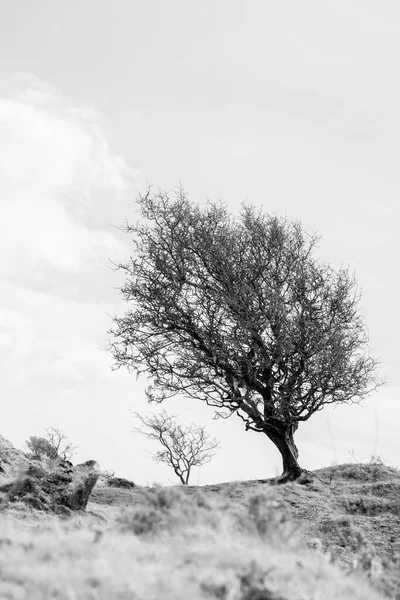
{"points": [[291, 106]]}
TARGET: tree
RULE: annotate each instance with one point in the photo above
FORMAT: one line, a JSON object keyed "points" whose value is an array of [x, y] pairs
{"points": [[40, 446], [53, 445], [238, 312], [183, 447]]}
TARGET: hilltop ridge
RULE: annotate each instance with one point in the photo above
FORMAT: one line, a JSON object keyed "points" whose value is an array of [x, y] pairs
{"points": [[337, 537], [341, 501]]}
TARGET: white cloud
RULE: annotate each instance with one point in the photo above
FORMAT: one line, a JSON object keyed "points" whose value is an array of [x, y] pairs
{"points": [[55, 163], [42, 336], [60, 187], [29, 89]]}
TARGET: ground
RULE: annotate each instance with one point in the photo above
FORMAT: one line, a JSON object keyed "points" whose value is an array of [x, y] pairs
{"points": [[335, 538]]}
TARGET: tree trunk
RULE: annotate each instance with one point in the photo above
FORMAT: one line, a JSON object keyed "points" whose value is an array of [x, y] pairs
{"points": [[282, 437], [187, 477]]}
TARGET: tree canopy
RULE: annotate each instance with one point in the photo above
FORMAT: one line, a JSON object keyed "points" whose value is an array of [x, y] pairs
{"points": [[238, 312]]}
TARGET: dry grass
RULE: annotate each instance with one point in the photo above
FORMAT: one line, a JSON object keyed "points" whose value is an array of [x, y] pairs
{"points": [[244, 541]]}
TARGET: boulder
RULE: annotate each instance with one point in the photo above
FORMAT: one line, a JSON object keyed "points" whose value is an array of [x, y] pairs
{"points": [[46, 485], [84, 478], [12, 461]]}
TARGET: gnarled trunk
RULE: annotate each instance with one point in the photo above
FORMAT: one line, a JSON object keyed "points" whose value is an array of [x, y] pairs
{"points": [[282, 436]]}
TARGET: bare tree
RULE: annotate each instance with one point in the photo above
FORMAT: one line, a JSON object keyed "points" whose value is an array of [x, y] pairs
{"points": [[54, 444], [183, 447], [238, 312]]}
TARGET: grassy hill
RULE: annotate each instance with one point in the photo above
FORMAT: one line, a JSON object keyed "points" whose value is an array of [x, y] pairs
{"points": [[335, 538]]}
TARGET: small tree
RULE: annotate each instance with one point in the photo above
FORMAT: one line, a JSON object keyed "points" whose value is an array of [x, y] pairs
{"points": [[183, 447], [40, 446], [238, 312], [53, 445]]}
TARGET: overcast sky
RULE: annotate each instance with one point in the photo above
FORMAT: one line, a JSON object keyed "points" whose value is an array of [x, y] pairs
{"points": [[291, 105]]}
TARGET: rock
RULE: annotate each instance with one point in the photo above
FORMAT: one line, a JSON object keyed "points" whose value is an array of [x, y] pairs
{"points": [[34, 502], [83, 481], [12, 461], [35, 471], [53, 485]]}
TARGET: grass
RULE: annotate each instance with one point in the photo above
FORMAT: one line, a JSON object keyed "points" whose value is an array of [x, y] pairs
{"points": [[336, 538]]}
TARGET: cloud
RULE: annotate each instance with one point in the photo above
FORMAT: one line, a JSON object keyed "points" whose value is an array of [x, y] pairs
{"points": [[60, 187], [48, 343], [56, 162]]}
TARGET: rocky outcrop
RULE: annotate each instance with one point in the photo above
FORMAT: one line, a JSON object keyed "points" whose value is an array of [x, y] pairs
{"points": [[49, 485]]}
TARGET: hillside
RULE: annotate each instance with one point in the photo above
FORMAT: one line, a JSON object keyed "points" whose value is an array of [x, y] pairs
{"points": [[238, 541]]}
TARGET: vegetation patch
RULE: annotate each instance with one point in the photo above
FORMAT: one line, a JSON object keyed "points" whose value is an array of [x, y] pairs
{"points": [[120, 482], [372, 506]]}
